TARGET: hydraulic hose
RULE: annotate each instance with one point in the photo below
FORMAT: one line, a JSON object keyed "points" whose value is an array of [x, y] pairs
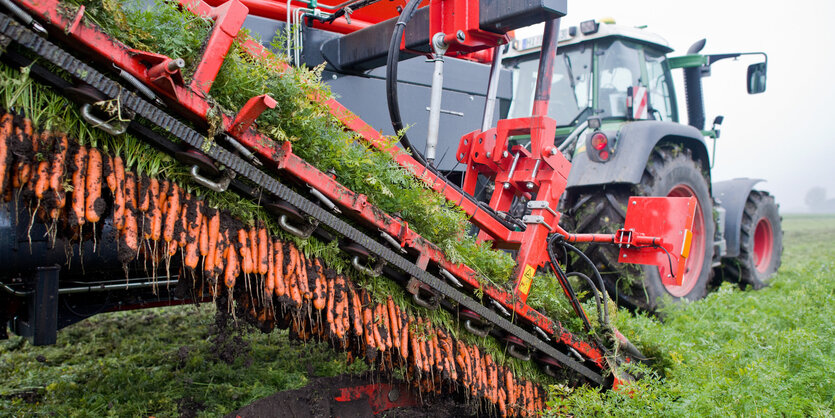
{"points": [[391, 78], [597, 276]]}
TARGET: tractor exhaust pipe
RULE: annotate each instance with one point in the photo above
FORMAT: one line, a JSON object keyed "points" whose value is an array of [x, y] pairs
{"points": [[693, 90]]}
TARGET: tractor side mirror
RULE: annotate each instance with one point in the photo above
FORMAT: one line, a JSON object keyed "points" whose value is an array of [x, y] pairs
{"points": [[756, 78]]}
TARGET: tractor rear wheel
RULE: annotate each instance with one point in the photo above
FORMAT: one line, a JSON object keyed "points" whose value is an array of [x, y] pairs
{"points": [[670, 171], [760, 241]]}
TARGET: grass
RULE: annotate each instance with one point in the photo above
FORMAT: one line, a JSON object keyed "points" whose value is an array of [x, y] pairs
{"points": [[153, 362], [739, 353], [735, 353]]}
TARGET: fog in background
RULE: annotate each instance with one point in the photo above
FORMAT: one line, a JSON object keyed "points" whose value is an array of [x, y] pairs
{"points": [[785, 135]]}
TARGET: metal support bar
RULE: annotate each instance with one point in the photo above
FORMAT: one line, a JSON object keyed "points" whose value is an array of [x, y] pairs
{"points": [[492, 89], [545, 73], [439, 47], [325, 201], [392, 241]]}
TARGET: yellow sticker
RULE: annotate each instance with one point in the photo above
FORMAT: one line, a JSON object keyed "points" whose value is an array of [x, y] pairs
{"points": [[527, 278], [685, 243]]}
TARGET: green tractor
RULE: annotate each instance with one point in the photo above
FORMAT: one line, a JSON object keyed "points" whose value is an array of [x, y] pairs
{"points": [[618, 122]]}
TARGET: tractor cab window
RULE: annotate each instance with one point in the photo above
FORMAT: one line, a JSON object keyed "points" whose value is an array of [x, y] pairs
{"points": [[619, 68], [570, 86], [657, 86]]}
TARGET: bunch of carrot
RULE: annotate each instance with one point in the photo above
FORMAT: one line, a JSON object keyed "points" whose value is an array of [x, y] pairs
{"points": [[316, 302], [385, 331]]}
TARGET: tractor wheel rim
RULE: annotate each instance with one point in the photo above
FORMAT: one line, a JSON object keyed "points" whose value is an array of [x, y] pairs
{"points": [[693, 264], [763, 244]]}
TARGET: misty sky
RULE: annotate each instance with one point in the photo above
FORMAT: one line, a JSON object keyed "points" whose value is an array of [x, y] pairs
{"points": [[781, 135]]}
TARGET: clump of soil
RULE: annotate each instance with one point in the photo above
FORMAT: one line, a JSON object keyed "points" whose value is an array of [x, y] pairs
{"points": [[226, 337], [189, 408], [30, 396]]}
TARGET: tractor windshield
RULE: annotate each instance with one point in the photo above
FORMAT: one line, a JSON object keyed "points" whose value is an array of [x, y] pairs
{"points": [[570, 87], [619, 68]]}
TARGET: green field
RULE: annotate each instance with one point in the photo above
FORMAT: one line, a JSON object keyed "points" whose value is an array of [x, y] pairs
{"points": [[769, 352]]}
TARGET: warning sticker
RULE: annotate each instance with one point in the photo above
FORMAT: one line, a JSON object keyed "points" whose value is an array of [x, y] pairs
{"points": [[527, 278]]}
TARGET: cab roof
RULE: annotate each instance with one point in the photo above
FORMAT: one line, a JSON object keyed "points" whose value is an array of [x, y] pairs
{"points": [[587, 31]]}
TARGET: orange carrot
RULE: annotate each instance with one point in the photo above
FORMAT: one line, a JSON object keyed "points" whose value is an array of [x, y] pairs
{"points": [[417, 355], [253, 247], [193, 235], [213, 232], [204, 236], [468, 364], [231, 266], [78, 184], [263, 250], [346, 315], [269, 286], [338, 287], [378, 320], [385, 325], [292, 278], [319, 302], [246, 258], [57, 171], [192, 256], [301, 277], [111, 173], [356, 307], [424, 353], [93, 186], [164, 187], [119, 196], [155, 212], [436, 351], [320, 291], [220, 254], [511, 389], [182, 222], [330, 312], [42, 176], [338, 320], [131, 231], [404, 335], [173, 213], [502, 403], [6, 130], [367, 323], [280, 286], [143, 199], [393, 329]]}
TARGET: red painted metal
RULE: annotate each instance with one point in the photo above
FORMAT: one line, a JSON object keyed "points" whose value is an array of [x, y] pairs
{"points": [[380, 396], [163, 71], [229, 18], [277, 10], [250, 111], [693, 265], [458, 21], [763, 244], [668, 219]]}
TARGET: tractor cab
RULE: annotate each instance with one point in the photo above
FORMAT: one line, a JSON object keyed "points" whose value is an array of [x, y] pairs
{"points": [[611, 72]]}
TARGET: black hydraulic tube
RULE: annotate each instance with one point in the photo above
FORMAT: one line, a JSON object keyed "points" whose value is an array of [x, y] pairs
{"points": [[391, 77], [542, 93]]}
